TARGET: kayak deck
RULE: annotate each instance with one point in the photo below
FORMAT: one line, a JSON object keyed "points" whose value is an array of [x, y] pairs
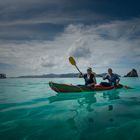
{"points": [[64, 88]]}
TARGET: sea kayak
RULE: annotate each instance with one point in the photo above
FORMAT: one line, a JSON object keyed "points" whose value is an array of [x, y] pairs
{"points": [[65, 88]]}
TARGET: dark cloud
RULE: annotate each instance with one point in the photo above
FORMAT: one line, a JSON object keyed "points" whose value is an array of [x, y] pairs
{"points": [[41, 19], [32, 8], [40, 31]]}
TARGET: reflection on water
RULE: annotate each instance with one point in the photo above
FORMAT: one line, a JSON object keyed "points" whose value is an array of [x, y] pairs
{"points": [[87, 102], [111, 94], [86, 99]]}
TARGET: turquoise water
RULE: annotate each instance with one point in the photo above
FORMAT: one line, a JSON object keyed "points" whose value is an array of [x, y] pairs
{"points": [[30, 110]]}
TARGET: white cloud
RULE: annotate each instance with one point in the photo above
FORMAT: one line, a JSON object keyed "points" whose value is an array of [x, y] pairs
{"points": [[113, 44], [79, 49]]}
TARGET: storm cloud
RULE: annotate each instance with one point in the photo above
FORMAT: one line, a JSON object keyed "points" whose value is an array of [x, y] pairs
{"points": [[92, 46], [37, 37], [45, 19]]}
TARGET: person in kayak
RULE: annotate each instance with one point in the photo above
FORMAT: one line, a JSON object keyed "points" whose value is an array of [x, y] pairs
{"points": [[113, 79], [90, 79]]}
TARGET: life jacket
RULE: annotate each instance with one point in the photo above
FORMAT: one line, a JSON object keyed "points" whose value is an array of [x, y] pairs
{"points": [[89, 80]]}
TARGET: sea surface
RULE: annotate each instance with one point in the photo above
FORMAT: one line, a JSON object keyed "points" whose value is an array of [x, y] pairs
{"points": [[30, 110]]}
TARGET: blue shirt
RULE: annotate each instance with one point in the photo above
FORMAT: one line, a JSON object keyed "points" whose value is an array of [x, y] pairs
{"points": [[113, 79]]}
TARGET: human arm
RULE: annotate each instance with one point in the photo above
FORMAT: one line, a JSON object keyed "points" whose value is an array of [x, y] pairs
{"points": [[105, 77], [81, 75], [117, 79]]}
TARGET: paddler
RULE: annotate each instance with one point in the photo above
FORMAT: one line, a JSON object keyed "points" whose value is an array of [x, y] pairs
{"points": [[90, 79], [113, 79]]}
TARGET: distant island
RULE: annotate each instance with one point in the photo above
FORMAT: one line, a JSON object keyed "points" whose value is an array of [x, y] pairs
{"points": [[132, 73], [2, 76], [68, 75]]}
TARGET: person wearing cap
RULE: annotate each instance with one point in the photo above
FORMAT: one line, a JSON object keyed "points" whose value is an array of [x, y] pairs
{"points": [[90, 79], [113, 79]]}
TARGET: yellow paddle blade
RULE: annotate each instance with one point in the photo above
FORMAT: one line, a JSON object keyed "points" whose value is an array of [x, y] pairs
{"points": [[72, 61]]}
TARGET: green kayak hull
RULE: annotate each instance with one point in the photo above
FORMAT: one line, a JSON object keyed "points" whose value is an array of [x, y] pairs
{"points": [[65, 88]]}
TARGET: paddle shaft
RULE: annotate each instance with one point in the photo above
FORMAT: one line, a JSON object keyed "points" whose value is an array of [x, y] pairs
{"points": [[78, 68]]}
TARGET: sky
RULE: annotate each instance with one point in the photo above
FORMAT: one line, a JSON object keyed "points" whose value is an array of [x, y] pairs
{"points": [[38, 36]]}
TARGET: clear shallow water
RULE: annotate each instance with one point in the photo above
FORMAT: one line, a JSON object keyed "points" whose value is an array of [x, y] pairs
{"points": [[30, 110]]}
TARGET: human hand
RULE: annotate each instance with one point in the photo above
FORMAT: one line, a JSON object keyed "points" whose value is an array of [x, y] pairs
{"points": [[80, 75], [89, 85]]}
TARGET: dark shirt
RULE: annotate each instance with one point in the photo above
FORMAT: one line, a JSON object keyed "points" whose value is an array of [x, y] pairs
{"points": [[89, 80], [112, 78]]}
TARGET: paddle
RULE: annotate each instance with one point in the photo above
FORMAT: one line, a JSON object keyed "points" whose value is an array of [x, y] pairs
{"points": [[73, 62], [127, 87], [124, 86]]}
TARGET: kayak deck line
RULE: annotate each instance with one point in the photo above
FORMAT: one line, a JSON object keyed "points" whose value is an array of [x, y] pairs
{"points": [[65, 88]]}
